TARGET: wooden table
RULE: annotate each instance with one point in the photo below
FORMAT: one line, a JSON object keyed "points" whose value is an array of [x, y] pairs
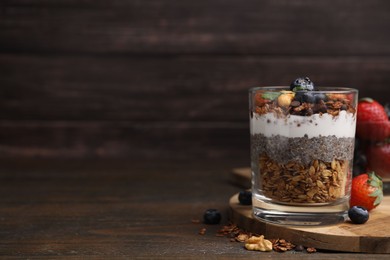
{"points": [[121, 209]]}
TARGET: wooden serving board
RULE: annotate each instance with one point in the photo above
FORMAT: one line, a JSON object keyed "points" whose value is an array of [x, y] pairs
{"points": [[371, 237]]}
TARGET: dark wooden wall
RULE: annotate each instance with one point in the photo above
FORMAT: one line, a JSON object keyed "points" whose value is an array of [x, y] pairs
{"points": [[128, 78]]}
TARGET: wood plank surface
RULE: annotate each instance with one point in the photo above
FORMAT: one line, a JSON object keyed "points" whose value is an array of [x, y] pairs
{"points": [[69, 68], [181, 88], [82, 209], [371, 237], [124, 140], [301, 27]]}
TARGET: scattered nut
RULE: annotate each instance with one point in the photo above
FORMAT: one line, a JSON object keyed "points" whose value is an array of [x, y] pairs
{"points": [[242, 237], [258, 244], [311, 250], [202, 231], [281, 245]]}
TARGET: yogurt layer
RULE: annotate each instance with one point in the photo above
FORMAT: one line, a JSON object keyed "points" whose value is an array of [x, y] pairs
{"points": [[343, 125]]}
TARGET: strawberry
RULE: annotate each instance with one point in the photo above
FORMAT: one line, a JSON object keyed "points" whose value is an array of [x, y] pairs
{"points": [[370, 110], [378, 157], [372, 121], [367, 191]]}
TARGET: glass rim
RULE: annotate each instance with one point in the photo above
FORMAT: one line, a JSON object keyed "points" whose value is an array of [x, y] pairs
{"points": [[320, 89]]}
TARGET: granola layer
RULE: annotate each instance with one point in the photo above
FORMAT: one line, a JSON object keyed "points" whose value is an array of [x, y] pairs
{"points": [[318, 182]]}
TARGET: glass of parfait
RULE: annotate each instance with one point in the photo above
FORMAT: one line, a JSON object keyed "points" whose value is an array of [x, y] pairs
{"points": [[302, 147]]}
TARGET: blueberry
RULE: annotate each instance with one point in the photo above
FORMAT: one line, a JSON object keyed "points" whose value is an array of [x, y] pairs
{"points": [[299, 96], [212, 216], [302, 84], [245, 197], [319, 97], [358, 214], [304, 97], [308, 97]]}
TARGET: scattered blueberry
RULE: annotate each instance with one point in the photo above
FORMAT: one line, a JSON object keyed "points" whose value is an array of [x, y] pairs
{"points": [[212, 216], [299, 248], [358, 214], [245, 197], [302, 84]]}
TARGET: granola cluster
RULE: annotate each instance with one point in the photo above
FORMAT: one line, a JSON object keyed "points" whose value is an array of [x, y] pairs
{"points": [[294, 182], [254, 241], [286, 105]]}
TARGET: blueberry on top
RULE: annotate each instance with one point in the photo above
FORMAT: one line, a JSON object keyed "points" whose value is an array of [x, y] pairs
{"points": [[304, 96], [303, 83]]}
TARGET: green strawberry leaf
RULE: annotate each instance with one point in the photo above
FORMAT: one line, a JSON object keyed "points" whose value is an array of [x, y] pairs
{"points": [[376, 182], [378, 199], [270, 95]]}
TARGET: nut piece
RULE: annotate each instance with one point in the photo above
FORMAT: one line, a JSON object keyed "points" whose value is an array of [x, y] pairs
{"points": [[202, 231], [242, 237], [284, 100], [281, 245], [258, 244]]}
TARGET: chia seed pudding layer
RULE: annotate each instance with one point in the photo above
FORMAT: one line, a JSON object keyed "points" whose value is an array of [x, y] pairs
{"points": [[302, 149]]}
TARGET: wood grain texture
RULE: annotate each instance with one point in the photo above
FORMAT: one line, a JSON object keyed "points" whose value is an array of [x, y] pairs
{"points": [[124, 140], [152, 89], [80, 209], [266, 27], [372, 237], [83, 72]]}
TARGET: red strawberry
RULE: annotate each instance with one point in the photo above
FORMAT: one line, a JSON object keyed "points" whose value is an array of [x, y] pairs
{"points": [[378, 157], [370, 110], [372, 121], [366, 191]]}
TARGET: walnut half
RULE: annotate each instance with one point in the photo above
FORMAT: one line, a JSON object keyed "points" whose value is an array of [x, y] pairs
{"points": [[258, 244]]}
